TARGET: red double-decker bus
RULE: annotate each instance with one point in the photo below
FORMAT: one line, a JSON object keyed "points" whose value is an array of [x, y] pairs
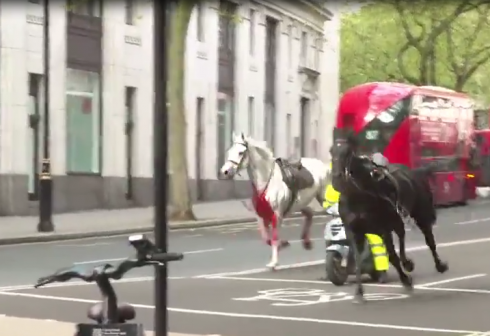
{"points": [[414, 125], [482, 139]]}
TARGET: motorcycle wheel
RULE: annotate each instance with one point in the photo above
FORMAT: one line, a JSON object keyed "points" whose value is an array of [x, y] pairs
{"points": [[336, 274]]}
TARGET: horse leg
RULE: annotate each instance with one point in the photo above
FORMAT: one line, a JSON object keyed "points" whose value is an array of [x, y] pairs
{"points": [[405, 279], [275, 243], [430, 241], [264, 230], [305, 234], [357, 243], [407, 263]]}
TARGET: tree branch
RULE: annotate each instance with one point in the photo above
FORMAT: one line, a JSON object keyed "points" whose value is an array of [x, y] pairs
{"points": [[466, 75], [450, 54], [401, 64], [463, 7], [411, 39]]}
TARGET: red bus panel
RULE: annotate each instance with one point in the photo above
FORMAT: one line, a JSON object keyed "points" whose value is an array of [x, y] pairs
{"points": [[413, 125]]}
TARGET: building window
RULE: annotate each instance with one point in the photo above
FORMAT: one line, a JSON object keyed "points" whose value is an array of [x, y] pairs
{"points": [[304, 126], [82, 122], [226, 26], [318, 47], [251, 41], [251, 116], [314, 141], [289, 135], [129, 7], [304, 48], [129, 104], [200, 146], [37, 2], [200, 22], [225, 125], [35, 105], [290, 46], [85, 7]]}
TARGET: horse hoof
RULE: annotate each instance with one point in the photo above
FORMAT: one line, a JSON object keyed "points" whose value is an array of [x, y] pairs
{"points": [[408, 284], [284, 244], [442, 267], [383, 278], [359, 299], [307, 244], [272, 266], [408, 265]]}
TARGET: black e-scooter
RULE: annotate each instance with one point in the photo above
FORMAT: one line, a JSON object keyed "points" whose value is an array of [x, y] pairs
{"points": [[113, 321]]}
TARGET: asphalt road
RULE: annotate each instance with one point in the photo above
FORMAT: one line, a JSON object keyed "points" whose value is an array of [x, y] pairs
{"points": [[211, 250], [228, 304]]}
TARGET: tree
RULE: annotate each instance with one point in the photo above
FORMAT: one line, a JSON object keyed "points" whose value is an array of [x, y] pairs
{"points": [[419, 42], [180, 197], [177, 159]]}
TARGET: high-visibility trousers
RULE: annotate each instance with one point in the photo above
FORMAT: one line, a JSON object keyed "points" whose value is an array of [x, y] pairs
{"points": [[378, 250]]}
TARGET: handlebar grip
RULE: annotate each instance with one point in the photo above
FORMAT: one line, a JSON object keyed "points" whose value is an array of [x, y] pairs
{"points": [[166, 257], [43, 282]]}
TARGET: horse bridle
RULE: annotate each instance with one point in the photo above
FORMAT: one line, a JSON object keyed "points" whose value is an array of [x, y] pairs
{"points": [[239, 164]]}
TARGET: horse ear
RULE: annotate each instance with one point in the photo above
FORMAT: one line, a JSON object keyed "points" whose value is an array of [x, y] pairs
{"points": [[243, 136]]}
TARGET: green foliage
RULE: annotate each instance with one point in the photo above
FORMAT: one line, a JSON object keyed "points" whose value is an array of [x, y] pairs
{"points": [[419, 42]]}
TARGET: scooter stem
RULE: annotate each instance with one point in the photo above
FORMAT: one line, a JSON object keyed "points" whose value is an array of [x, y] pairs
{"points": [[109, 297]]}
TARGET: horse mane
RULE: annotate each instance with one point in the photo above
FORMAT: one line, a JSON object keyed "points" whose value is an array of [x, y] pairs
{"points": [[260, 145]]}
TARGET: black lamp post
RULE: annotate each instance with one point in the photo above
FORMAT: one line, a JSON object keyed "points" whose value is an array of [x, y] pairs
{"points": [[160, 160], [45, 179]]}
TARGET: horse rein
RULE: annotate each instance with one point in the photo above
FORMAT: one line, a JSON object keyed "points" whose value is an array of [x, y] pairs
{"points": [[349, 178], [239, 164]]}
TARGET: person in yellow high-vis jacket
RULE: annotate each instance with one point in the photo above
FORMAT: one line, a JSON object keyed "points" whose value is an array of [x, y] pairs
{"points": [[331, 195], [376, 244]]}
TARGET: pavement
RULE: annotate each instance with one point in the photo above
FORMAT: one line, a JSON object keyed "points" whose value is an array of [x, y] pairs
{"points": [[15, 230], [26, 326], [222, 287]]}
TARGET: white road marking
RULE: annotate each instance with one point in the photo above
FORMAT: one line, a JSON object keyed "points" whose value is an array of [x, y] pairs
{"points": [[296, 241], [81, 283], [473, 221], [457, 290], [441, 282], [119, 259], [83, 245], [257, 316], [321, 261], [315, 282], [319, 282]]}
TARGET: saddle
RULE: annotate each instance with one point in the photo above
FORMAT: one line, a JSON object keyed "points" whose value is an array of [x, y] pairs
{"points": [[294, 175], [394, 195]]}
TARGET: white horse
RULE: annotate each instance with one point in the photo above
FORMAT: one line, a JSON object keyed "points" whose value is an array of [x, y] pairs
{"points": [[272, 198]]}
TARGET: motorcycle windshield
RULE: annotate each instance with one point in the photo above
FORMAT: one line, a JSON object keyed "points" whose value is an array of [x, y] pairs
{"points": [[334, 210]]}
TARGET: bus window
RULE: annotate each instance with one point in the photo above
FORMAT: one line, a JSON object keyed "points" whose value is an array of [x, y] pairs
{"points": [[376, 135]]}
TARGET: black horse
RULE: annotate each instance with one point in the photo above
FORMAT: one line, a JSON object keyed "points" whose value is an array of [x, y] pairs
{"points": [[410, 193], [370, 203]]}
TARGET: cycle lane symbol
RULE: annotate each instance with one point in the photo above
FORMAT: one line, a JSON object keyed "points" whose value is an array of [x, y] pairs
{"points": [[294, 297]]}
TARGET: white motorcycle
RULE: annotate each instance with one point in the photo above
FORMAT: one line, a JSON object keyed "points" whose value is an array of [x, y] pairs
{"points": [[339, 262]]}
